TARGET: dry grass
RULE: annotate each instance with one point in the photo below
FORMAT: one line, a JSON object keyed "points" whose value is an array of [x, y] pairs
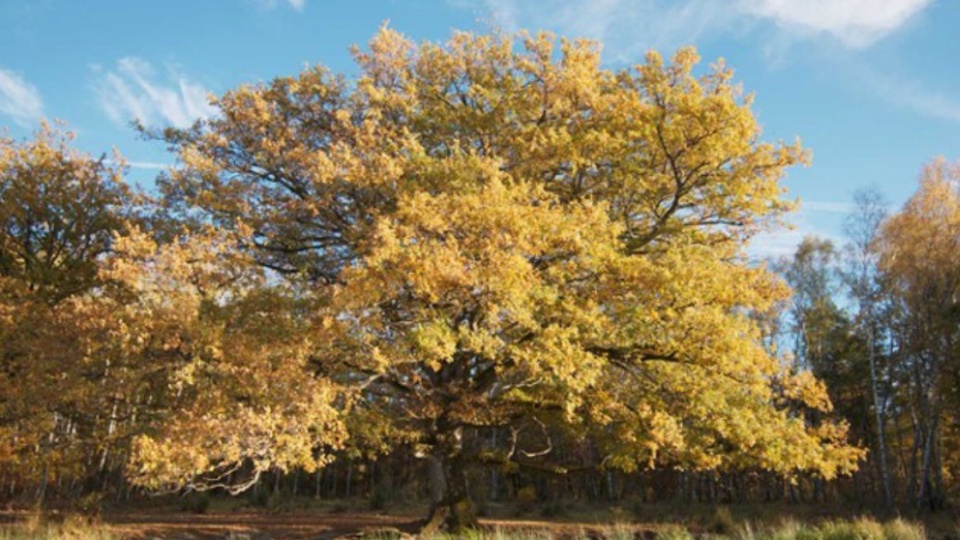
{"points": [[855, 529], [34, 527], [723, 524]]}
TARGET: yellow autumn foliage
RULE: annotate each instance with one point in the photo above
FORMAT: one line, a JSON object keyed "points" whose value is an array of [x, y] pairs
{"points": [[499, 232]]}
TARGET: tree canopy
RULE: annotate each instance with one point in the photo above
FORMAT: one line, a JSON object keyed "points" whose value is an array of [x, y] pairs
{"points": [[497, 234], [60, 366]]}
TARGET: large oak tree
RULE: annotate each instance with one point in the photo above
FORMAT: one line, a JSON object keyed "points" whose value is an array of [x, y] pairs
{"points": [[498, 233]]}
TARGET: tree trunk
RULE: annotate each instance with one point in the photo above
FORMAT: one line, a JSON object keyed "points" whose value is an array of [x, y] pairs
{"points": [[927, 495], [881, 432], [451, 509]]}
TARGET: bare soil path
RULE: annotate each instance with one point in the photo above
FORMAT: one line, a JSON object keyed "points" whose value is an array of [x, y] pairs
{"points": [[250, 525]]}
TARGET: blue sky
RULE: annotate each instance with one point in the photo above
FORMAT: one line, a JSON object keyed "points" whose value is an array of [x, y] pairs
{"points": [[872, 87]]}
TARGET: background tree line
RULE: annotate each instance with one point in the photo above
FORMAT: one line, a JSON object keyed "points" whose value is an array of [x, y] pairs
{"points": [[489, 270], [876, 319]]}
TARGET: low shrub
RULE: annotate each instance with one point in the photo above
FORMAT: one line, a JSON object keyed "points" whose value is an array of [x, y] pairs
{"points": [[194, 502]]}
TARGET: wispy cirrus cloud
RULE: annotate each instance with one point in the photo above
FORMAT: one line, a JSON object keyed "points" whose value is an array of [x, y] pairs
{"points": [[827, 206], [910, 93], [148, 165], [768, 246], [631, 26], [152, 165], [19, 99], [297, 5], [626, 27], [133, 90], [803, 223], [772, 245]]}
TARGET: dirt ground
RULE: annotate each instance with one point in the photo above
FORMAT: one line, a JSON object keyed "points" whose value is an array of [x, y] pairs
{"points": [[256, 525], [249, 525]]}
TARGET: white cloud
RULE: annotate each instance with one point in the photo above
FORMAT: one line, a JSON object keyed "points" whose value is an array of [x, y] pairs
{"points": [[856, 23], [297, 5], [910, 93], [775, 244], [629, 27], [149, 165], [133, 91], [808, 220], [19, 99], [772, 245]]}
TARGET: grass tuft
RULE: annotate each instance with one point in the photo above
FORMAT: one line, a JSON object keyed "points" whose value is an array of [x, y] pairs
{"points": [[723, 522], [899, 529], [674, 532], [620, 531], [859, 529], [72, 528]]}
